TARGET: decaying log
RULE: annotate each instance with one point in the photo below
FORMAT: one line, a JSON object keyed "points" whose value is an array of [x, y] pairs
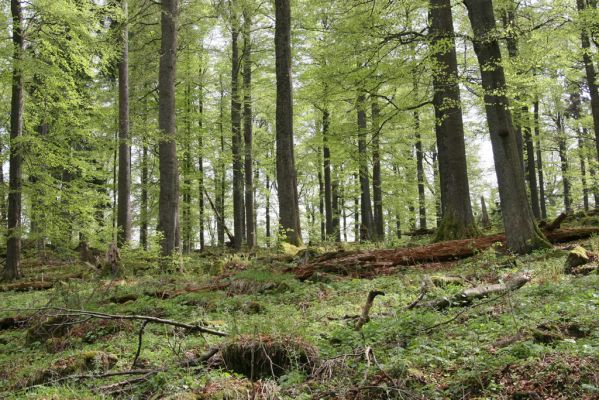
{"points": [[466, 297], [364, 263], [365, 317]]}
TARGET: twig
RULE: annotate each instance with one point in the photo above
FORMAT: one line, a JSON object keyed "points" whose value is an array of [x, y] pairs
{"points": [[141, 332]]}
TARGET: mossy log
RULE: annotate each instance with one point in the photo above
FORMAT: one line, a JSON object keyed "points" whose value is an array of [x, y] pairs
{"points": [[467, 296], [369, 263]]}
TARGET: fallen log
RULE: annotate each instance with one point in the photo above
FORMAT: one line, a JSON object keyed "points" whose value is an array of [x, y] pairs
{"points": [[367, 263], [466, 297], [556, 223]]}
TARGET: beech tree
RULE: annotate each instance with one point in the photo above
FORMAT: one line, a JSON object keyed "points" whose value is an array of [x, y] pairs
{"points": [[522, 233], [168, 214], [289, 219]]}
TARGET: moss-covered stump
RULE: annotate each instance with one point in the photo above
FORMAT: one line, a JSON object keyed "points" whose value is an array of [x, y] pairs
{"points": [[265, 356], [79, 363], [578, 256], [251, 286]]}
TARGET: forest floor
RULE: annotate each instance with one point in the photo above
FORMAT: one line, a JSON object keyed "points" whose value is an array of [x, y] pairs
{"points": [[540, 341]]}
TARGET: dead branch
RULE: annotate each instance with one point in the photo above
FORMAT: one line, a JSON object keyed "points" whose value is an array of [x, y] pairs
{"points": [[466, 297], [94, 314], [364, 318], [556, 223]]}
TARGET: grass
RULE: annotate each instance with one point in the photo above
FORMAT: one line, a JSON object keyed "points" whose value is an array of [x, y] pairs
{"points": [[395, 355]]}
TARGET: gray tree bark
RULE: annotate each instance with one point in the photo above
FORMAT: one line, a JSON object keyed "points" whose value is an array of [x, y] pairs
{"points": [[457, 219], [247, 130], [124, 188], [289, 219], [522, 233], [12, 270]]}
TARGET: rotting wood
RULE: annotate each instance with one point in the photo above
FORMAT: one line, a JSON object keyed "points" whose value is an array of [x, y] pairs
{"points": [[556, 223], [365, 317], [368, 263], [466, 297]]}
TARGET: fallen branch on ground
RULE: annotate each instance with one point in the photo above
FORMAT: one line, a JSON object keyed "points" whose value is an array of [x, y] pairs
{"points": [[364, 318], [66, 312], [466, 297]]}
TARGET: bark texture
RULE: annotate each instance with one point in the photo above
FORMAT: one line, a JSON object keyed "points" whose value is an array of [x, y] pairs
{"points": [[456, 210], [168, 208], [523, 235], [124, 189], [247, 130], [366, 228], [237, 140], [289, 219], [12, 270]]}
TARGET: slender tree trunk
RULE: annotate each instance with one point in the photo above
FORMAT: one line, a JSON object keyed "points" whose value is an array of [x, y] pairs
{"points": [[187, 171], [377, 191], [336, 206], [457, 219], [574, 113], [522, 233], [143, 228], [12, 270], [124, 189], [286, 174], [220, 182], [438, 209], [484, 220], [398, 232], [366, 228], [591, 163], [328, 196], [247, 130], [343, 213], [201, 185], [237, 141], [591, 75], [531, 175], [563, 156], [420, 173], [537, 129], [267, 210], [168, 209], [323, 233]]}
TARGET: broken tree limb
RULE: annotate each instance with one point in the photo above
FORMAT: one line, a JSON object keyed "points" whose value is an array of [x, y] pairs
{"points": [[66, 312], [370, 263], [364, 318], [466, 297], [556, 223], [227, 231]]}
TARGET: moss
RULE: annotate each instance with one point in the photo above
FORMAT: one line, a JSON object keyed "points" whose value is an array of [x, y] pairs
{"points": [[451, 229]]}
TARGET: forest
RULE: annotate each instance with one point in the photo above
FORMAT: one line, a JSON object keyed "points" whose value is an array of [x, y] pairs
{"points": [[299, 199]]}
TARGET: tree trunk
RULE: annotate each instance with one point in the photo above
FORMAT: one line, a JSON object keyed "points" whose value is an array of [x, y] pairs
{"points": [[377, 192], [574, 113], [420, 173], [591, 76], [328, 195], [438, 209], [124, 189], [531, 175], [12, 270], [286, 174], [323, 233], [484, 220], [247, 130], [237, 141], [143, 212], [220, 181], [201, 185], [457, 219], [168, 209], [522, 233], [267, 211], [366, 229], [537, 128], [187, 226], [336, 206], [563, 156]]}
